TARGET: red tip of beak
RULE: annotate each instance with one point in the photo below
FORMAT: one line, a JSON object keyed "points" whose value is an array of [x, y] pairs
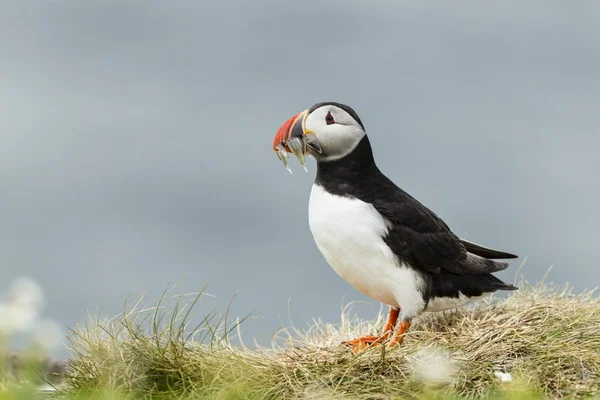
{"points": [[284, 132]]}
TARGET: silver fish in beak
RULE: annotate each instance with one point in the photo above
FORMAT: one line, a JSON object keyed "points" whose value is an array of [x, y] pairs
{"points": [[293, 137]]}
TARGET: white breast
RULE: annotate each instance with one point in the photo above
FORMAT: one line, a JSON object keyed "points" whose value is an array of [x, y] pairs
{"points": [[349, 232]]}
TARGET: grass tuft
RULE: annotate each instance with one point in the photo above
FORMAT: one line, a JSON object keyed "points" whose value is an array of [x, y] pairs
{"points": [[540, 342]]}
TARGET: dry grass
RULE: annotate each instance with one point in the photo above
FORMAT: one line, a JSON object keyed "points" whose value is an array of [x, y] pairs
{"points": [[547, 339]]}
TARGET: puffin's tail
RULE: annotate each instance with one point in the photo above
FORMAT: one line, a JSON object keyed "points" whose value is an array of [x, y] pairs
{"points": [[486, 252], [495, 284], [447, 284]]}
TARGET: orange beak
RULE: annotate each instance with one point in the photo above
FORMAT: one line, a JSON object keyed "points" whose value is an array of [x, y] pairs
{"points": [[293, 137], [293, 127]]}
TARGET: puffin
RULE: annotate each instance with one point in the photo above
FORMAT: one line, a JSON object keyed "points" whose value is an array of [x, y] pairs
{"points": [[377, 237]]}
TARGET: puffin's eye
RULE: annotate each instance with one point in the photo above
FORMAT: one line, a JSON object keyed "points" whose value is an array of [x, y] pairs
{"points": [[329, 119]]}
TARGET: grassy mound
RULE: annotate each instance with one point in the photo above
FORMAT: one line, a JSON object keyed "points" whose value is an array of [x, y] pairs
{"points": [[540, 342]]}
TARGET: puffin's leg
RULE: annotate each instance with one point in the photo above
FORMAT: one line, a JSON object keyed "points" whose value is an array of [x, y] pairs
{"points": [[397, 340], [388, 331]]}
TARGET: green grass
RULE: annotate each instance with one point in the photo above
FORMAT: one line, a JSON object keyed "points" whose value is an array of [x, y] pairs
{"points": [[546, 338]]}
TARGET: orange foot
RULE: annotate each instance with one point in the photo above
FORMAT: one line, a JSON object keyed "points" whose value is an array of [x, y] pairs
{"points": [[363, 342], [399, 337], [366, 341]]}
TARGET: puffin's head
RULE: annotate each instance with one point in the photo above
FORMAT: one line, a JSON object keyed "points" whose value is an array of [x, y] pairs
{"points": [[327, 131]]}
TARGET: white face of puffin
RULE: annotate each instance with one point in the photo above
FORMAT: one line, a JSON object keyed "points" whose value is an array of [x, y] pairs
{"points": [[337, 131], [327, 133]]}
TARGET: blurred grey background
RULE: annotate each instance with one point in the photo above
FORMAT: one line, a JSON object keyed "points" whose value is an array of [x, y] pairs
{"points": [[135, 144]]}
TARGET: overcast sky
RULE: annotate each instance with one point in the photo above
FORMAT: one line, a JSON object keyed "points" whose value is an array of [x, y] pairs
{"points": [[135, 146]]}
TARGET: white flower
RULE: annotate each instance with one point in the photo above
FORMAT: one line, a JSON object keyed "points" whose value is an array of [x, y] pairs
{"points": [[25, 293], [433, 366], [14, 319], [503, 376], [21, 306]]}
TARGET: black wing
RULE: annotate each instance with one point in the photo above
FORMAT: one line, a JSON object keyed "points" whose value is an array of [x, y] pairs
{"points": [[419, 236], [485, 251]]}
